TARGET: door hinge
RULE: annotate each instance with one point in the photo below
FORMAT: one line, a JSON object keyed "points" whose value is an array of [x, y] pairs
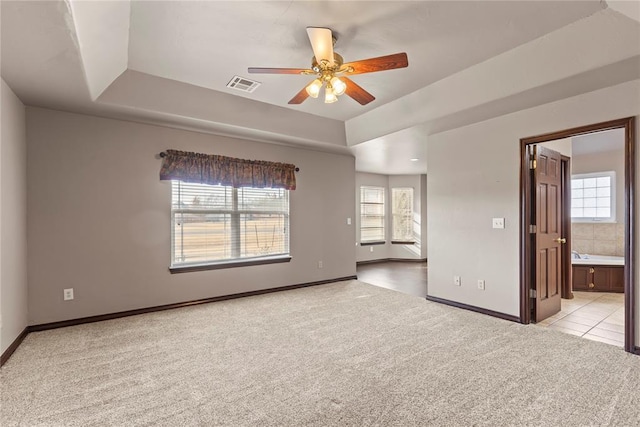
{"points": [[533, 229], [533, 163], [533, 293]]}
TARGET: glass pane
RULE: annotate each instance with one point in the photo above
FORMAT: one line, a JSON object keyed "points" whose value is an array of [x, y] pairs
{"points": [[603, 212], [263, 200], [603, 192], [372, 221], [589, 212], [201, 237], [603, 202], [589, 182], [577, 194], [372, 210], [371, 194], [371, 234], [603, 181], [589, 192], [576, 183], [577, 213], [200, 196], [577, 203], [263, 234], [590, 203]]}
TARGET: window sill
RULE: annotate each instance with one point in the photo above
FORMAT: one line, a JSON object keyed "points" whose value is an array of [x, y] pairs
{"points": [[372, 243], [229, 264], [403, 242]]}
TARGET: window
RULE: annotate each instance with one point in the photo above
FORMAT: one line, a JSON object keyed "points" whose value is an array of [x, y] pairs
{"points": [[211, 224], [402, 212], [593, 197], [371, 214]]}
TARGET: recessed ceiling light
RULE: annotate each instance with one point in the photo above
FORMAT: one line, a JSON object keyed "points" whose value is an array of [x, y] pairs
{"points": [[414, 160]]}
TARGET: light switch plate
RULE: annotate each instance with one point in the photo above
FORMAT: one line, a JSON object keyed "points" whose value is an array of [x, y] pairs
{"points": [[498, 222]]}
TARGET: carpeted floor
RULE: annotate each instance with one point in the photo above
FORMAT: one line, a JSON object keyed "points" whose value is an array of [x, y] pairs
{"points": [[341, 354]]}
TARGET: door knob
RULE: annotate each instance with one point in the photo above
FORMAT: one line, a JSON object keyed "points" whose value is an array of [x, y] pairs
{"points": [[560, 240]]}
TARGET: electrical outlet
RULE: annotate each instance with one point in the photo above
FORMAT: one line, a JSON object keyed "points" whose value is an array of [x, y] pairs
{"points": [[481, 285], [498, 222], [370, 248], [457, 281], [68, 294], [348, 221], [320, 264]]}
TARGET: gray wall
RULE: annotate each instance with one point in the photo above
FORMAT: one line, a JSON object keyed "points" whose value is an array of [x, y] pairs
{"points": [[13, 219], [388, 250], [99, 217], [474, 174]]}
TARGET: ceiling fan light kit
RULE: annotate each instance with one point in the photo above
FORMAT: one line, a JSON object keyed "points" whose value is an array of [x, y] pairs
{"points": [[331, 71]]}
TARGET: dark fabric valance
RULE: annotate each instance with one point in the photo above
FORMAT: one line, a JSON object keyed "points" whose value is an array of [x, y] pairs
{"points": [[213, 169]]}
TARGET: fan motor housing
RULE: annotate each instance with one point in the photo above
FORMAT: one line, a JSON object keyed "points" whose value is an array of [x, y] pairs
{"points": [[319, 68]]}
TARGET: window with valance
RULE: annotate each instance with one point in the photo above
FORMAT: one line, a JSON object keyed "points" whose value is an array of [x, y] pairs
{"points": [[227, 212]]}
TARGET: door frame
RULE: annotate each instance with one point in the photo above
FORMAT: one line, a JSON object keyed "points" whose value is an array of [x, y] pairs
{"points": [[526, 255], [567, 273]]}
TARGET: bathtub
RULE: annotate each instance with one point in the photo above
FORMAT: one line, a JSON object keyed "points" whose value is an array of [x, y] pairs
{"points": [[588, 259]]}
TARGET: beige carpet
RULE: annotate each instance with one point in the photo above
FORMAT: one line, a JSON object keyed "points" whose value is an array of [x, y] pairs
{"points": [[341, 354]]}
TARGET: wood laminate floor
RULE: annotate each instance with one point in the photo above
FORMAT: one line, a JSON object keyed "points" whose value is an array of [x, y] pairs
{"points": [[407, 277]]}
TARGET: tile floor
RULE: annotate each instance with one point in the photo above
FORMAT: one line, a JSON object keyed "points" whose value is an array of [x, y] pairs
{"points": [[598, 316]]}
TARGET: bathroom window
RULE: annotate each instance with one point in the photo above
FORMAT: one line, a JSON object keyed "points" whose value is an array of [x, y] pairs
{"points": [[593, 197], [372, 216], [402, 212]]}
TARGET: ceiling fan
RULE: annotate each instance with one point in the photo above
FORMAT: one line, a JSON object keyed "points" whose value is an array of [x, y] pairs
{"points": [[331, 71]]}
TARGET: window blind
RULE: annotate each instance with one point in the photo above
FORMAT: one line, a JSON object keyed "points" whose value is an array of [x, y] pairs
{"points": [[212, 223], [372, 214]]}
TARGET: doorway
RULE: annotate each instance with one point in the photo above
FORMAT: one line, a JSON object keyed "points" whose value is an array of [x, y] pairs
{"points": [[531, 259]]}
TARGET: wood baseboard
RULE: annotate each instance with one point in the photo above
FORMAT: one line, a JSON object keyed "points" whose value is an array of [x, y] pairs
{"points": [[14, 345], [110, 316], [474, 308], [381, 260], [91, 319]]}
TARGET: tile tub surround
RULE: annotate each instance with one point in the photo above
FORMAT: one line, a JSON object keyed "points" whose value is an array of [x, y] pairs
{"points": [[598, 238]]}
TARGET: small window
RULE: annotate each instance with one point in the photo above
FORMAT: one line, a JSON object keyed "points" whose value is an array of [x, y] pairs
{"points": [[372, 214], [402, 212], [213, 224], [593, 197]]}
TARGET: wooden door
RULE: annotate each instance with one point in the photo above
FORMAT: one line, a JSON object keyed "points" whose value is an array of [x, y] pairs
{"points": [[548, 220]]}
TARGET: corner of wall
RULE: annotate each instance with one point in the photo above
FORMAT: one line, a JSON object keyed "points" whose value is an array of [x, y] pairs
{"points": [[13, 218]]}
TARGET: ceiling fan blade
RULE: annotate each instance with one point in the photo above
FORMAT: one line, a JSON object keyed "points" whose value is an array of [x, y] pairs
{"points": [[300, 97], [261, 70], [382, 63], [356, 92], [322, 43]]}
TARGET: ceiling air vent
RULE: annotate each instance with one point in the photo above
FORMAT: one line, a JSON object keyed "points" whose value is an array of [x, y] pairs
{"points": [[242, 84]]}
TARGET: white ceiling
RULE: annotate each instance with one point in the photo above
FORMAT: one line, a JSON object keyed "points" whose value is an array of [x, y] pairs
{"points": [[207, 43], [169, 62], [598, 142]]}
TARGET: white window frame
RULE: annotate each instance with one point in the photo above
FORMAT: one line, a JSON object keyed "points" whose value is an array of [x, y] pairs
{"points": [[612, 196], [384, 215], [235, 212], [396, 215]]}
